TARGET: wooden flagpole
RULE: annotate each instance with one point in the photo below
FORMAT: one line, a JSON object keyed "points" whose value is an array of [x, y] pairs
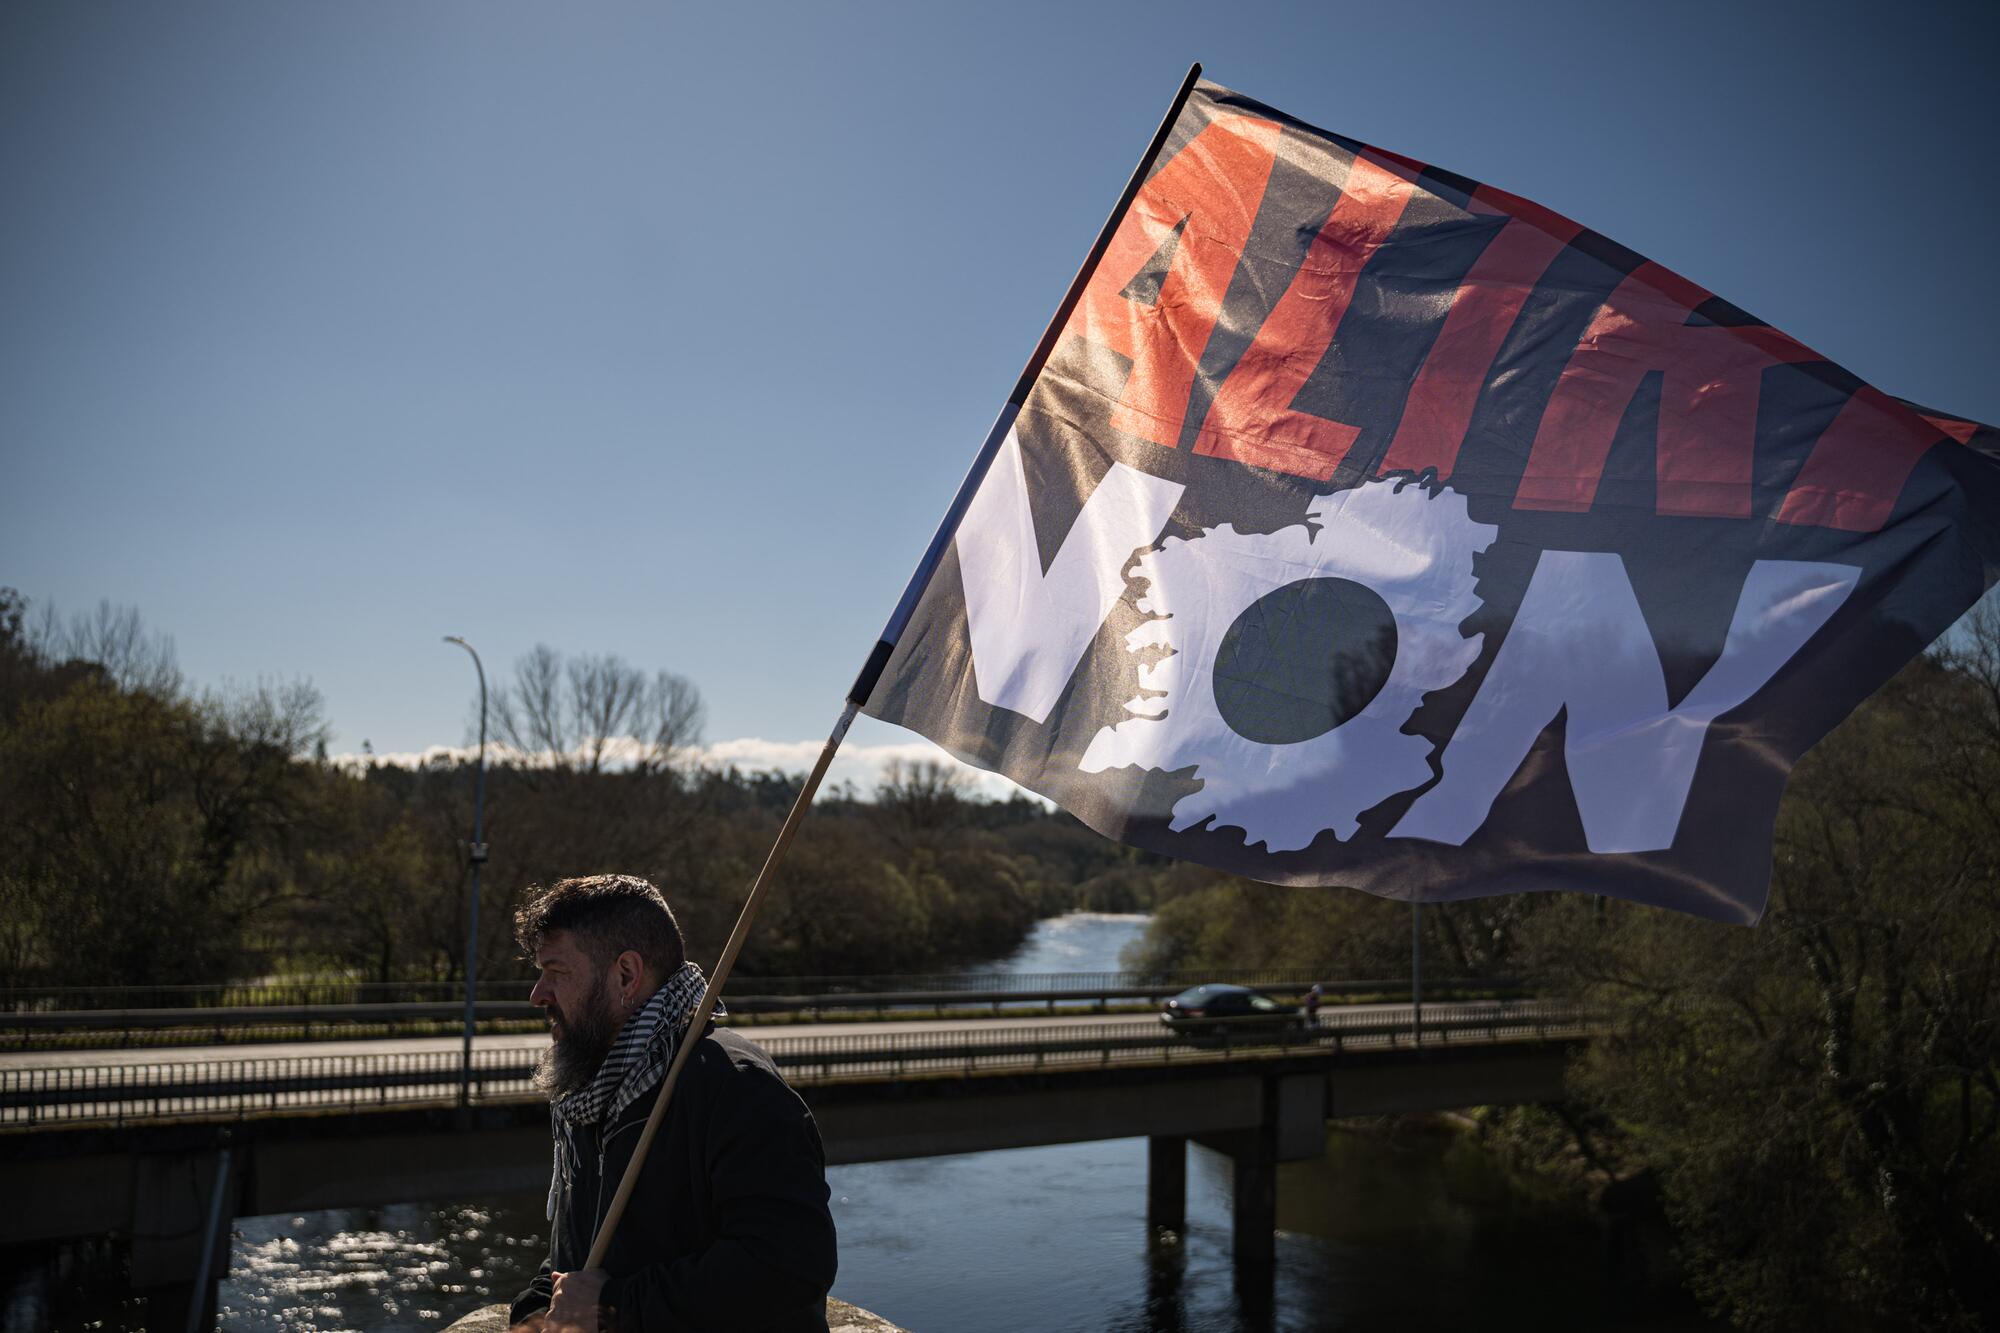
{"points": [[699, 1022], [878, 659]]}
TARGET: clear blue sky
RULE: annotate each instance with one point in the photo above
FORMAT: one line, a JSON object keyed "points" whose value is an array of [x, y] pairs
{"points": [[669, 330]]}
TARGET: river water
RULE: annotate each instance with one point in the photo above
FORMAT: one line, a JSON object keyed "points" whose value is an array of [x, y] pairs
{"points": [[1413, 1228]]}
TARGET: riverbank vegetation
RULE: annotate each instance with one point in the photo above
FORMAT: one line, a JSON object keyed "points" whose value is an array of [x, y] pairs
{"points": [[1813, 1102], [156, 834]]}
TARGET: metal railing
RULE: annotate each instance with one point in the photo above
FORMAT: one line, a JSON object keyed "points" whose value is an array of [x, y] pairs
{"points": [[121, 1094], [314, 992], [27, 1030], [33, 1029], [233, 1089], [338, 992]]}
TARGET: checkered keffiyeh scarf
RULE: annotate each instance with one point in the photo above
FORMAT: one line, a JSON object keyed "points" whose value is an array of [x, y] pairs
{"points": [[637, 1061], [640, 1055]]}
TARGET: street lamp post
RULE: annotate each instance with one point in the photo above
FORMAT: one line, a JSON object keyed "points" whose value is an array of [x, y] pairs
{"points": [[1416, 973], [478, 859]]}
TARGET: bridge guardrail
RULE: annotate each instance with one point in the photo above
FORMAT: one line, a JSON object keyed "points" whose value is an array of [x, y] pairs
{"points": [[20, 1028], [338, 993], [231, 1089]]}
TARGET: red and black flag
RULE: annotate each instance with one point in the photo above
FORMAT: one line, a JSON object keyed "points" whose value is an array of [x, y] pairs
{"points": [[1367, 525]]}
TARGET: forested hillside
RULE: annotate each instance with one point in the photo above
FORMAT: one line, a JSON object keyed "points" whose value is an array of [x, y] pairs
{"points": [[159, 834]]}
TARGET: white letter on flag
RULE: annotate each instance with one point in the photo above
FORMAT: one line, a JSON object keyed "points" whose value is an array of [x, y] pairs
{"points": [[1029, 629], [1580, 642]]}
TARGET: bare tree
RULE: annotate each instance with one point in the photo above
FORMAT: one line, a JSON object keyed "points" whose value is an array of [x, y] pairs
{"points": [[604, 774], [590, 714], [114, 638]]}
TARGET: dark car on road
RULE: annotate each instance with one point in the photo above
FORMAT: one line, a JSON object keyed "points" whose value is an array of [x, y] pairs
{"points": [[1218, 1008]]}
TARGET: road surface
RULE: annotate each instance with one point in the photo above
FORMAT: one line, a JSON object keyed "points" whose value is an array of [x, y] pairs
{"points": [[103, 1058]]}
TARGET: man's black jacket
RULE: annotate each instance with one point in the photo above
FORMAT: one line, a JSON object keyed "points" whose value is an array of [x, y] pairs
{"points": [[728, 1227]]}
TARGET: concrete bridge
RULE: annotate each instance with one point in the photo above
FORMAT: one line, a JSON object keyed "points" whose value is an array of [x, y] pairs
{"points": [[171, 1176]]}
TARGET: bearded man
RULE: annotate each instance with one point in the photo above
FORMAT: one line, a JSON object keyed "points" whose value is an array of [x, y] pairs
{"points": [[727, 1227]]}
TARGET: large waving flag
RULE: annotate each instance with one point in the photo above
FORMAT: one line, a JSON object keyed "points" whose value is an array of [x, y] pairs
{"points": [[1370, 526]]}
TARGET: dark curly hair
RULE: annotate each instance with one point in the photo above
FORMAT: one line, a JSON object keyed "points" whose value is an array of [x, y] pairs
{"points": [[607, 914]]}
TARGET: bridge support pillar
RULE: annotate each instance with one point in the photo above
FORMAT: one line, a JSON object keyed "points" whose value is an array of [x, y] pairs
{"points": [[1254, 1221], [1253, 1157], [1255, 1199], [1166, 1184], [1293, 1129], [182, 1210]]}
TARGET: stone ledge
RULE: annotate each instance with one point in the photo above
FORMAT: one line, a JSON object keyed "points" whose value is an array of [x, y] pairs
{"points": [[844, 1318], [840, 1318]]}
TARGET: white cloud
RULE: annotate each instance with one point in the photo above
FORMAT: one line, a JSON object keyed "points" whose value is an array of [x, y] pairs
{"points": [[619, 751], [861, 765]]}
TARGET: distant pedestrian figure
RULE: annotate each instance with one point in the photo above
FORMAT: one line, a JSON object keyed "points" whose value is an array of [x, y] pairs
{"points": [[1312, 1003]]}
